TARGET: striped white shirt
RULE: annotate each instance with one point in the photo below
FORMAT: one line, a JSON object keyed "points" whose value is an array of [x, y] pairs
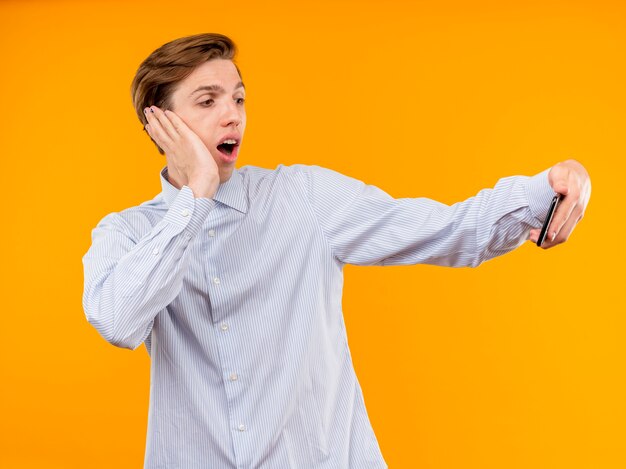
{"points": [[238, 301]]}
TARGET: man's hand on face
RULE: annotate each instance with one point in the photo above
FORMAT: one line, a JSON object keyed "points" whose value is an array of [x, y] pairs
{"points": [[185, 151], [571, 180]]}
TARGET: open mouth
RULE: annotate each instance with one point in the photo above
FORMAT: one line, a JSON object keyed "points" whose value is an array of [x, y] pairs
{"points": [[226, 148]]}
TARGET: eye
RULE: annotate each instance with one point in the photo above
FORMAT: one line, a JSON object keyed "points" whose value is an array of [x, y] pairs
{"points": [[204, 102], [240, 100]]}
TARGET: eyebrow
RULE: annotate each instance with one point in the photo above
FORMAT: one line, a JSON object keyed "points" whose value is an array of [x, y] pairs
{"points": [[216, 89]]}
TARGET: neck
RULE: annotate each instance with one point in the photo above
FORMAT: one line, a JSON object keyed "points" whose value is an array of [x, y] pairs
{"points": [[173, 177]]}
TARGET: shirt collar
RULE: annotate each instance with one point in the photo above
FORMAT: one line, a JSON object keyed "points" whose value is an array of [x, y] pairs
{"points": [[229, 193]]}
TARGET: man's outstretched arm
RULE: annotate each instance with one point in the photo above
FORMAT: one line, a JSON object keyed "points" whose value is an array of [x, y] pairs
{"points": [[366, 226]]}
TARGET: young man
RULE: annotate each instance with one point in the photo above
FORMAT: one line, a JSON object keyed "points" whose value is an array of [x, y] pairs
{"points": [[233, 277]]}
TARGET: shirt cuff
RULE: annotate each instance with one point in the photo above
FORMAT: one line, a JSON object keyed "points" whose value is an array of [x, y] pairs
{"points": [[539, 194], [189, 212]]}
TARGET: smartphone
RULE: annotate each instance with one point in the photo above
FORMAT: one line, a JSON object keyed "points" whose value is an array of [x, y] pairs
{"points": [[546, 223]]}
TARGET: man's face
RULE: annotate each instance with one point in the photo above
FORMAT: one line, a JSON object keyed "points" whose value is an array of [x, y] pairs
{"points": [[211, 102]]}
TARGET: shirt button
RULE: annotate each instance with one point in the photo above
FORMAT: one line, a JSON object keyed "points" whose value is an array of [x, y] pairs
{"points": [[233, 377], [156, 251], [211, 232], [241, 427], [216, 280], [224, 326], [185, 213]]}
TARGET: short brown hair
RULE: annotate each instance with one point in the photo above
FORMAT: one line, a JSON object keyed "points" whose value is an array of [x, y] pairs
{"points": [[158, 75]]}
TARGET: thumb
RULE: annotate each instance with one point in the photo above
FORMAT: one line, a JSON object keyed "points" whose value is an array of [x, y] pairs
{"points": [[561, 187]]}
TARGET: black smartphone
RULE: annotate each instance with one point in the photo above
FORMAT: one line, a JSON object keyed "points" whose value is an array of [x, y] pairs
{"points": [[544, 229]]}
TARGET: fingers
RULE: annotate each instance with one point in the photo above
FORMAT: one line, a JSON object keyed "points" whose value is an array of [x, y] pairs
{"points": [[565, 179], [165, 123], [534, 235], [561, 187], [156, 131], [177, 122], [566, 229], [561, 228], [562, 215], [564, 232], [160, 128], [184, 133]]}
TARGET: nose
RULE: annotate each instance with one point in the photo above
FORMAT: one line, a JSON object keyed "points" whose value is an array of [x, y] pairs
{"points": [[232, 115]]}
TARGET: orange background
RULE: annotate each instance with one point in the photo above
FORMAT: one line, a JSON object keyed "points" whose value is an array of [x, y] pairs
{"points": [[517, 364]]}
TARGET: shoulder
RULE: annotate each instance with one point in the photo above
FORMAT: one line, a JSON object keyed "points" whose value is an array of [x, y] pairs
{"points": [[299, 173], [258, 179], [257, 173], [134, 221]]}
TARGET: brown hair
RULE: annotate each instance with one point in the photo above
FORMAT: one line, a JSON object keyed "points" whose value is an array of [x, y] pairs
{"points": [[158, 75]]}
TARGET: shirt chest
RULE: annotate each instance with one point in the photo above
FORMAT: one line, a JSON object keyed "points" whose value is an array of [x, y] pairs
{"points": [[241, 262]]}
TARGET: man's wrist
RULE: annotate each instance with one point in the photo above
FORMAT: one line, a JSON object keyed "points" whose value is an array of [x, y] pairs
{"points": [[203, 190], [539, 194]]}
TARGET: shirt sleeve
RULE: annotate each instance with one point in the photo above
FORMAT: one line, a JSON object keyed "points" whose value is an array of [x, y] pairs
{"points": [[128, 280], [366, 226]]}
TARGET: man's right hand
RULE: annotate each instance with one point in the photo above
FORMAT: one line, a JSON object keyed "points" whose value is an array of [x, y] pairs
{"points": [[185, 151]]}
